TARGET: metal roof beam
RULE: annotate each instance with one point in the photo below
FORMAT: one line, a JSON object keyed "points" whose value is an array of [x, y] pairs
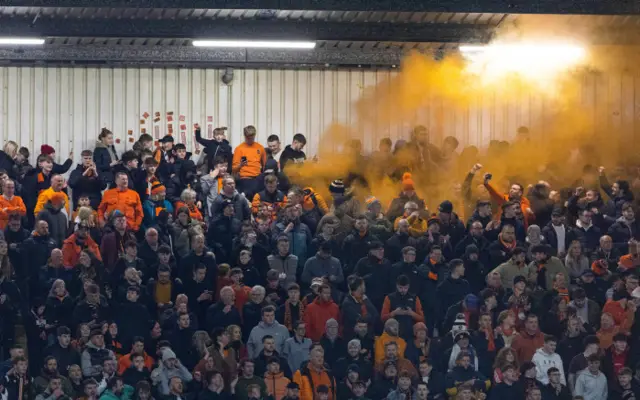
{"points": [[245, 29], [456, 6], [189, 56]]}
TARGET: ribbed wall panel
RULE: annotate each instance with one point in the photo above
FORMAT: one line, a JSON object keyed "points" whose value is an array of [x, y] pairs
{"points": [[66, 107]]}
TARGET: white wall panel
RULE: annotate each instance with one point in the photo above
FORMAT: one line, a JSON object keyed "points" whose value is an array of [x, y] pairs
{"points": [[67, 107]]}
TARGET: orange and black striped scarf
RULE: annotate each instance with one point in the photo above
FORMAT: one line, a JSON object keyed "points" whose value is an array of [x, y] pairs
{"points": [[287, 314]]}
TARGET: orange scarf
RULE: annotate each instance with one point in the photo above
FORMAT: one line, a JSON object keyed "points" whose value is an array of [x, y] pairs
{"points": [[491, 346], [360, 300], [287, 314], [508, 246]]}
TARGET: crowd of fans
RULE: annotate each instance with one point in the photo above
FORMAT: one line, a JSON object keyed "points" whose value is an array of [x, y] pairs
{"points": [[146, 276]]}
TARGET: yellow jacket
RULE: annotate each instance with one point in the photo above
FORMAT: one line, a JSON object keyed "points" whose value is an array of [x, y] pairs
{"points": [[45, 196], [417, 225], [382, 340]]}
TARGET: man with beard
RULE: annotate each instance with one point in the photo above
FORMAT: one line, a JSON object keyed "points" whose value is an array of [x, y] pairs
{"points": [[65, 354], [112, 247], [557, 234], [408, 267], [376, 272], [298, 233], [117, 390], [515, 195], [544, 268], [356, 244], [35, 253], [403, 306], [401, 239], [475, 237]]}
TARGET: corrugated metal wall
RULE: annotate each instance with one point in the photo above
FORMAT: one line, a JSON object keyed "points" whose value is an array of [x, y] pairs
{"points": [[66, 107]]}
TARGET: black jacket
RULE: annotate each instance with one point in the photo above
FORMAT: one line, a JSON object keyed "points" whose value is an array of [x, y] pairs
{"points": [[85, 312], [220, 237], [261, 364], [290, 155], [351, 311], [133, 319], [550, 393], [449, 292], [217, 318], [35, 252], [66, 357], [377, 276], [102, 159], [354, 248], [214, 149], [551, 237], [88, 185], [394, 245], [333, 350]]}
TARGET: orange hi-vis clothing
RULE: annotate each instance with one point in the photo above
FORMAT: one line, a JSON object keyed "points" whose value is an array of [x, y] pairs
{"points": [[45, 196], [127, 201], [502, 198], [8, 207], [256, 159]]}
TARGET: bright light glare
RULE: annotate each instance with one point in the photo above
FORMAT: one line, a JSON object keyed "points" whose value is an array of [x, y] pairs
{"points": [[536, 61], [276, 44], [21, 41]]}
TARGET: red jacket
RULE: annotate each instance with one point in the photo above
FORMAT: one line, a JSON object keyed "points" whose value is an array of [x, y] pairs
{"points": [[316, 316], [526, 345]]}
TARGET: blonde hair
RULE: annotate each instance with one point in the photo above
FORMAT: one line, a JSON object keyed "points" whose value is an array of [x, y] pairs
{"points": [[11, 148], [187, 193], [250, 130]]}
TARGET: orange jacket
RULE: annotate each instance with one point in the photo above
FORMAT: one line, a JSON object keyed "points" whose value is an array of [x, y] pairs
{"points": [[125, 362], [308, 204], [8, 207], [276, 200], [276, 384], [316, 316], [308, 379], [502, 198], [193, 213], [127, 201], [382, 341], [71, 250], [45, 196], [620, 316], [386, 310], [256, 159]]}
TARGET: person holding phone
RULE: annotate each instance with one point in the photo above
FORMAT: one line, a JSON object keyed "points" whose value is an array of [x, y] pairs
{"points": [[249, 159]]}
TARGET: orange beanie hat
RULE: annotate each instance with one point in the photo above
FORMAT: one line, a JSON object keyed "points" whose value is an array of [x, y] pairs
{"points": [[407, 181]]}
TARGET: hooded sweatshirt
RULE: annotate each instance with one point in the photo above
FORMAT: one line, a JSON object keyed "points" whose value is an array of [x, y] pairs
{"points": [[543, 362], [591, 386], [279, 332]]}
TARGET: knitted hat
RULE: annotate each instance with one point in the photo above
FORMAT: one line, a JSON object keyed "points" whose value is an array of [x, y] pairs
{"points": [[446, 207], [293, 385], [354, 368], [460, 324], [371, 201], [47, 150], [157, 188], [471, 249], [337, 186], [407, 181], [57, 198], [272, 275]]}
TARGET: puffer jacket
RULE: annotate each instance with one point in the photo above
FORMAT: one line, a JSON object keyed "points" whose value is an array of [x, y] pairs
{"points": [[287, 265], [299, 239], [127, 202], [276, 384]]}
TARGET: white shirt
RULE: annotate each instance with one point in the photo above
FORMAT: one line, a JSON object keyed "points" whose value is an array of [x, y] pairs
{"points": [[560, 234]]}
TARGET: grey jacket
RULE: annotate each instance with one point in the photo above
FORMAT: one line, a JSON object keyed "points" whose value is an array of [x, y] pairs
{"points": [[317, 267], [288, 265], [279, 332], [162, 375], [240, 203], [296, 352], [89, 369], [209, 190]]}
